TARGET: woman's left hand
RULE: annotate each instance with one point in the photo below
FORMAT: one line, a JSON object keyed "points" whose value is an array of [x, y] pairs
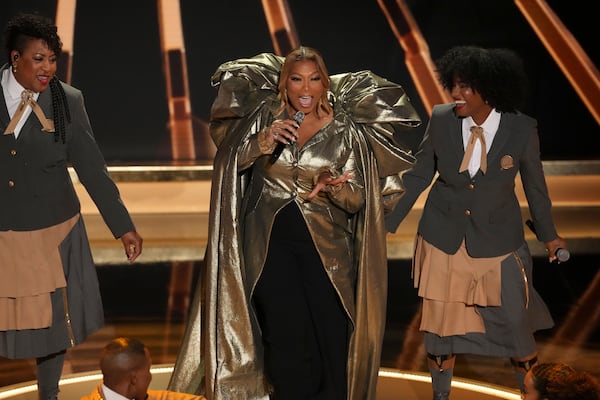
{"points": [[326, 182]]}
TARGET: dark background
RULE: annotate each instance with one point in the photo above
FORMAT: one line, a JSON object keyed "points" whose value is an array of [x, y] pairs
{"points": [[117, 60]]}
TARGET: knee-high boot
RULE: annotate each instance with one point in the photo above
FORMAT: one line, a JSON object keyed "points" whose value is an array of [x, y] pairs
{"points": [[49, 369], [521, 367], [441, 378]]}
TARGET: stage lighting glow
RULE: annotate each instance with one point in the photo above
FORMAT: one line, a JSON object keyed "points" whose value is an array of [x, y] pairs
{"points": [[472, 387]]}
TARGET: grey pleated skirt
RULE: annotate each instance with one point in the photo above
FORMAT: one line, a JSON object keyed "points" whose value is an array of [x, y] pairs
{"points": [[81, 297], [509, 328]]}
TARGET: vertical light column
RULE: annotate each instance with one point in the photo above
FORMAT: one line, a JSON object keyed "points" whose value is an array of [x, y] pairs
{"points": [[175, 69], [418, 60], [566, 51], [281, 26], [180, 291], [65, 22]]}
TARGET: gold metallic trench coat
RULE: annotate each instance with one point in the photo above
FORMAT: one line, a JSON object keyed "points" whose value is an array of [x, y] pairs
{"points": [[221, 352]]}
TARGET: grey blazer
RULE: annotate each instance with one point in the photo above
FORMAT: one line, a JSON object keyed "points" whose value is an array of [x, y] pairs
{"points": [[36, 190], [483, 210]]}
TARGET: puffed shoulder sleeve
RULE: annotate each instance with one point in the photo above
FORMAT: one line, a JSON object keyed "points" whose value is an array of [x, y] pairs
{"points": [[243, 86], [378, 108]]}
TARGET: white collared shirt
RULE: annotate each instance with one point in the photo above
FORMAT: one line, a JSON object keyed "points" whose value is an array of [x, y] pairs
{"points": [[12, 96], [111, 394], [490, 127]]}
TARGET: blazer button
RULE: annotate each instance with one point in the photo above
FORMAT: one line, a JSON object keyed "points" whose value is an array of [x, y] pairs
{"points": [[467, 212], [471, 186], [11, 184], [13, 152]]}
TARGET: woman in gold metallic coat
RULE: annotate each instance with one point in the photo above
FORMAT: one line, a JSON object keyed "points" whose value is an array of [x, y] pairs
{"points": [[291, 303]]}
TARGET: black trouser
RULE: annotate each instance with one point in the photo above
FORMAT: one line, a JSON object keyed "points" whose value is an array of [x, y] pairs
{"points": [[304, 326]]}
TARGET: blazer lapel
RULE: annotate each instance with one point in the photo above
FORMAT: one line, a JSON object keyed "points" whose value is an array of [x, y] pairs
{"points": [[502, 136], [456, 138], [45, 101]]}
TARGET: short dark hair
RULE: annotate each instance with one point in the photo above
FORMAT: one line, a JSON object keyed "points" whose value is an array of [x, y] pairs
{"points": [[120, 356], [498, 75], [24, 27]]}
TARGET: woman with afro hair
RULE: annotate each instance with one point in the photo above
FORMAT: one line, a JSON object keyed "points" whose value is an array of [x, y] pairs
{"points": [[472, 266]]}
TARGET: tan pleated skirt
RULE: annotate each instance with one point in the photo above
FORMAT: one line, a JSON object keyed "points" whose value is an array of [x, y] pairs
{"points": [[452, 285], [478, 306], [75, 310], [31, 269]]}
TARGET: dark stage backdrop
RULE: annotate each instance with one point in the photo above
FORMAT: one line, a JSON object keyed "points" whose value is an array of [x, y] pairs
{"points": [[117, 60]]}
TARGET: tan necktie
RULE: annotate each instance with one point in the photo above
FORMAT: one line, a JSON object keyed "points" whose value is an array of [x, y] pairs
{"points": [[476, 133], [27, 99]]}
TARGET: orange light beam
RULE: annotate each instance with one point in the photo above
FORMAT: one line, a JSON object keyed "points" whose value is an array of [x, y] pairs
{"points": [[281, 25], [175, 69], [418, 60], [566, 51], [65, 23]]}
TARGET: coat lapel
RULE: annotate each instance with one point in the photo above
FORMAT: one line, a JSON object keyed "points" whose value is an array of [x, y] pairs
{"points": [[502, 136], [456, 140]]}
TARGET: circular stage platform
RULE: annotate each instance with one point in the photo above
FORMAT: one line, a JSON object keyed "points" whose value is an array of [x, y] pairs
{"points": [[392, 385]]}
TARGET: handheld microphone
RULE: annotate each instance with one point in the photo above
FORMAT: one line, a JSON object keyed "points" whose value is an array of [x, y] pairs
{"points": [[298, 117], [561, 254]]}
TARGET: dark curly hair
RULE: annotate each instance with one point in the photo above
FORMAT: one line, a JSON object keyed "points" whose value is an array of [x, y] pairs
{"points": [[558, 381], [25, 27], [498, 75]]}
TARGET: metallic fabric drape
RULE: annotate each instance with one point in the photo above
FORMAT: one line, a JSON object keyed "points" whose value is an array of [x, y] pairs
{"points": [[221, 353]]}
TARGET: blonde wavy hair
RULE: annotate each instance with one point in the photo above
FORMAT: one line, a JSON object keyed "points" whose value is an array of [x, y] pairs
{"points": [[304, 53]]}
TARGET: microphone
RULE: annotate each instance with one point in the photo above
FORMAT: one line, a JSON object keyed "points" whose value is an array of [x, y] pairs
{"points": [[298, 117], [562, 255]]}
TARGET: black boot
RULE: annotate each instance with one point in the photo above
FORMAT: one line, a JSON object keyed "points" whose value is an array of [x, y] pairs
{"points": [[441, 395], [49, 369], [521, 368], [441, 381]]}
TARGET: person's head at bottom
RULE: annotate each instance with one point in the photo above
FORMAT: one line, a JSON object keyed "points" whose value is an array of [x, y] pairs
{"points": [[559, 381], [125, 364]]}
